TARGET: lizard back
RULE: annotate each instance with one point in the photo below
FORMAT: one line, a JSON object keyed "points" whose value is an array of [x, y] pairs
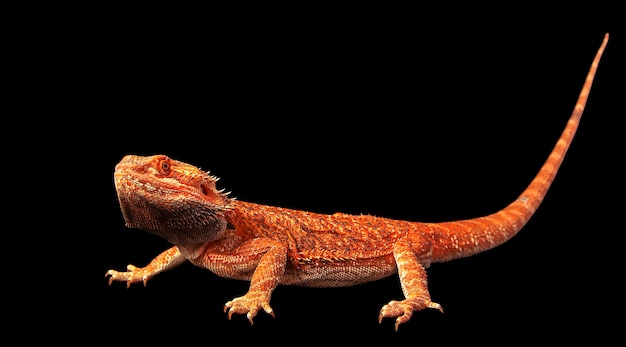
{"points": [[339, 239]]}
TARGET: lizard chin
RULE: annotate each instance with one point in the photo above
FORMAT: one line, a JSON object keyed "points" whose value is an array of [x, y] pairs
{"points": [[181, 226]]}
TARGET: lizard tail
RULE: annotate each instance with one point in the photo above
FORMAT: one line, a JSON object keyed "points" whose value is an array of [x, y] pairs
{"points": [[467, 237]]}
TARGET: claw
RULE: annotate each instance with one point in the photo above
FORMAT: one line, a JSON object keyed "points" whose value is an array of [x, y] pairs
{"points": [[435, 306], [269, 310], [132, 275], [226, 307], [400, 320], [108, 273], [248, 304], [403, 310], [111, 274]]}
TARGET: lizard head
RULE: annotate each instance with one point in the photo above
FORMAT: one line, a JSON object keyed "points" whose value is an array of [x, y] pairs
{"points": [[169, 198]]}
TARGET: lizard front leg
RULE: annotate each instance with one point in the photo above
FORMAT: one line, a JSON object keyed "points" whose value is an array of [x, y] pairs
{"points": [[163, 262], [406, 251], [262, 261]]}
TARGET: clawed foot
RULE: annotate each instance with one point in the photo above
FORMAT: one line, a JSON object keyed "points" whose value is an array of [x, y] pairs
{"points": [[134, 274], [404, 309], [250, 305]]}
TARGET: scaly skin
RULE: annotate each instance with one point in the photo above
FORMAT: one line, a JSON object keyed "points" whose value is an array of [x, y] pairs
{"points": [[269, 245]]}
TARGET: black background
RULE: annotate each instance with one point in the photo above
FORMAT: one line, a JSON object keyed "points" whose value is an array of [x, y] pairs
{"points": [[360, 113]]}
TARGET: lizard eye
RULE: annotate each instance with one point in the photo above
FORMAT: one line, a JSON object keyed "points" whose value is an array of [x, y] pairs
{"points": [[165, 167]]}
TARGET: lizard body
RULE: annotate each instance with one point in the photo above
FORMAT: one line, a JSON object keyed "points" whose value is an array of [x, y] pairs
{"points": [[269, 245]]}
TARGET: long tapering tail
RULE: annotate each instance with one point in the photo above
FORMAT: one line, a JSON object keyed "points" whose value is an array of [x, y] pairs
{"points": [[466, 237]]}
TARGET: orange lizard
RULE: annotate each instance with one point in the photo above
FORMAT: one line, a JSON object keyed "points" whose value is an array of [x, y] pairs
{"points": [[269, 245]]}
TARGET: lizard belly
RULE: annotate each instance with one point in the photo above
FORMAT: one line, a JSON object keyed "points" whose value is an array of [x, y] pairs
{"points": [[339, 273]]}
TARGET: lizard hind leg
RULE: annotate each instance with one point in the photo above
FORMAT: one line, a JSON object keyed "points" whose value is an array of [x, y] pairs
{"points": [[407, 250]]}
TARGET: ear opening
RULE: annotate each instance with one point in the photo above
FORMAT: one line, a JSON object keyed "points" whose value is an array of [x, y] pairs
{"points": [[206, 189]]}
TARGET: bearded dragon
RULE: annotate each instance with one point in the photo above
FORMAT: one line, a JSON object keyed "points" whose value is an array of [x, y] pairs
{"points": [[269, 245]]}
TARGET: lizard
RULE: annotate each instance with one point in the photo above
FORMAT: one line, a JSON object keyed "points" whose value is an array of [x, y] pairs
{"points": [[270, 245]]}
